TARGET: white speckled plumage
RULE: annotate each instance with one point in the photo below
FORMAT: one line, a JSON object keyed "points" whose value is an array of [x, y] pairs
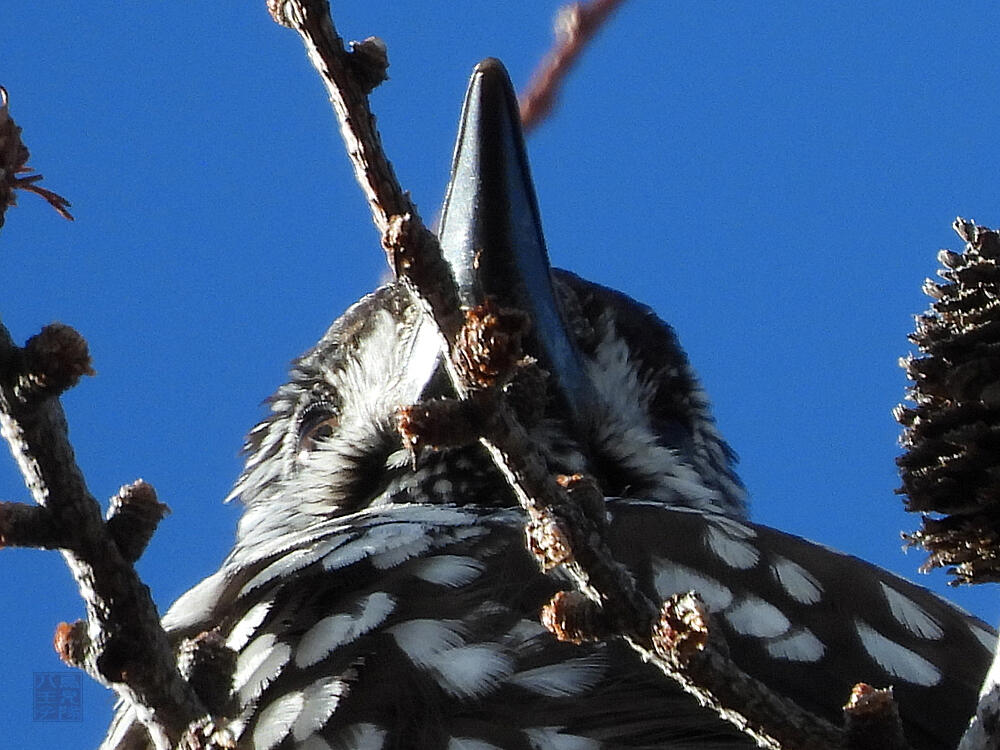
{"points": [[334, 631], [800, 645], [899, 661], [911, 615], [381, 596], [319, 701], [361, 736], [276, 720], [733, 550], [675, 578], [554, 738], [567, 678], [754, 617], [797, 582]]}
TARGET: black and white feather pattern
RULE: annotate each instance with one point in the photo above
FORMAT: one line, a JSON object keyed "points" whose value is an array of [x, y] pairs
{"points": [[415, 626], [374, 604]]}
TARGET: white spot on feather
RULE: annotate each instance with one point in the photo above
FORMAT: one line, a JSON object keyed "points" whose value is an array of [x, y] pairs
{"points": [[291, 561], [911, 615], [313, 742], [895, 659], [470, 743], [797, 582], [733, 527], [570, 677], [258, 665], [379, 540], [733, 550], [449, 570], [525, 630], [435, 515], [801, 645], [274, 722], [336, 630], [754, 617], [673, 578], [197, 604], [471, 671], [398, 555], [319, 702], [552, 738], [236, 727], [242, 631], [424, 639], [988, 639], [280, 568], [359, 737]]}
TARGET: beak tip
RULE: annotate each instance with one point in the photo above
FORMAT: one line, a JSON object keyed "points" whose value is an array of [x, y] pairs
{"points": [[491, 85], [489, 66]]}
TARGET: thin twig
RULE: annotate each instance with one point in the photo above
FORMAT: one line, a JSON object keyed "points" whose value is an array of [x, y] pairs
{"points": [[575, 25], [339, 70], [560, 529], [15, 174]]}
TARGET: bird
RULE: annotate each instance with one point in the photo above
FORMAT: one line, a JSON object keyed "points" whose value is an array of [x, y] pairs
{"points": [[377, 598]]}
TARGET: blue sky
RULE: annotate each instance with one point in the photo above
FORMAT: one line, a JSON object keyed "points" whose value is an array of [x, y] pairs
{"points": [[775, 180]]}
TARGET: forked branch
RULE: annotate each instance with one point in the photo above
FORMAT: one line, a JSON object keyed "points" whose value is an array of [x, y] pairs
{"points": [[121, 643], [560, 529]]}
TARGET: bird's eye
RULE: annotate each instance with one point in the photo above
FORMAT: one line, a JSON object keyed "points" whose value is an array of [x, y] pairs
{"points": [[317, 423]]}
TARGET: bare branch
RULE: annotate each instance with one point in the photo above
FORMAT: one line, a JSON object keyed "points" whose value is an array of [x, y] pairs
{"points": [[484, 349], [23, 525], [575, 25], [121, 644], [349, 77]]}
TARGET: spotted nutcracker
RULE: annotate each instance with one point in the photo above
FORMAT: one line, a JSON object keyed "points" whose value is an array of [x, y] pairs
{"points": [[378, 603]]}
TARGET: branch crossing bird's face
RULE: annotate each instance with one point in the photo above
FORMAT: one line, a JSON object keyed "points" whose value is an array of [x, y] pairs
{"points": [[331, 446], [377, 601]]}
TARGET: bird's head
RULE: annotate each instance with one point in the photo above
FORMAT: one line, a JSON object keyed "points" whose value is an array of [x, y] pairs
{"points": [[621, 400]]}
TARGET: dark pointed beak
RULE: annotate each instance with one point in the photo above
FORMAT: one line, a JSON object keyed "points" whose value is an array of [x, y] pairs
{"points": [[491, 232]]}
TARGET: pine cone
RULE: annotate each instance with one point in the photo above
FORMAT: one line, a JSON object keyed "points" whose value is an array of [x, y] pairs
{"points": [[951, 468]]}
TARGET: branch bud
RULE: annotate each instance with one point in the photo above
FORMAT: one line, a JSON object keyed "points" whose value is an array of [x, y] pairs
{"points": [[133, 517]]}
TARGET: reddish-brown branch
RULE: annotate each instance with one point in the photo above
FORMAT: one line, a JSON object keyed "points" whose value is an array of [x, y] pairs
{"points": [[575, 25]]}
